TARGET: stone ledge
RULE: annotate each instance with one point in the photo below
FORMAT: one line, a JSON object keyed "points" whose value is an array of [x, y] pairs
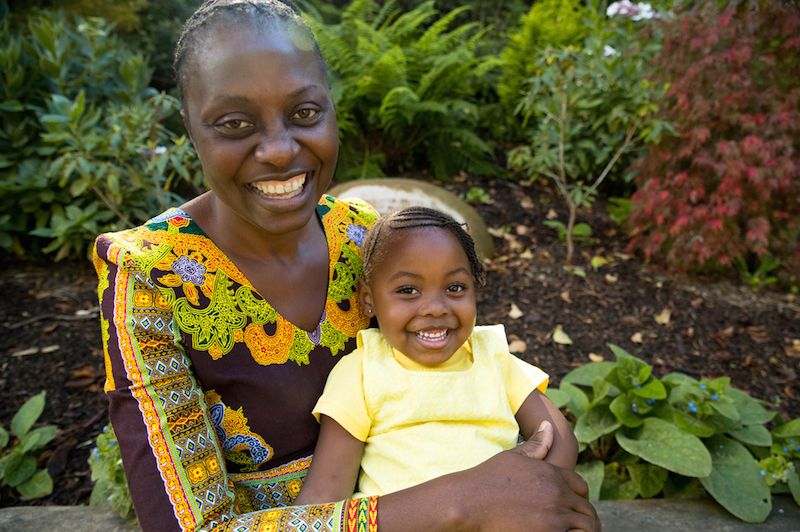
{"points": [[654, 515]]}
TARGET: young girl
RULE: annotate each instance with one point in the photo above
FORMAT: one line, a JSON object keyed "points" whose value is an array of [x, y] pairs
{"points": [[429, 393]]}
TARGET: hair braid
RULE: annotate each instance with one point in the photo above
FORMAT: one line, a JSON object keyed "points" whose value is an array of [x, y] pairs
{"points": [[417, 218]]}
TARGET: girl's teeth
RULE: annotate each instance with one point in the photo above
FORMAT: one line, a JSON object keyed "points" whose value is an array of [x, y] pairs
{"points": [[432, 335]]}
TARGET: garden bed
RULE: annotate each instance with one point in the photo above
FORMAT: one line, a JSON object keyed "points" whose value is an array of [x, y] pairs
{"points": [[50, 336]]}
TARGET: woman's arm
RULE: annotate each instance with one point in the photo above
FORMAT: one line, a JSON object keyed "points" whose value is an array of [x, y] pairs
{"points": [[335, 466], [537, 408]]}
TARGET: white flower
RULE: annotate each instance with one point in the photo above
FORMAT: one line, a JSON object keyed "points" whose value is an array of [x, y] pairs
{"points": [[608, 51], [159, 150], [637, 11]]}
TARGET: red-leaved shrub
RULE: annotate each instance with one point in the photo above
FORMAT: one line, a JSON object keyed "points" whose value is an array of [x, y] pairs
{"points": [[728, 188]]}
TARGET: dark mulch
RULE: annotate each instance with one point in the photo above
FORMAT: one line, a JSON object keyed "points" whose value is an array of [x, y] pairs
{"points": [[50, 338]]}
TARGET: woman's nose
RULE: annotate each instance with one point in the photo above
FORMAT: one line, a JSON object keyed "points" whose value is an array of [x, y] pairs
{"points": [[277, 148]]}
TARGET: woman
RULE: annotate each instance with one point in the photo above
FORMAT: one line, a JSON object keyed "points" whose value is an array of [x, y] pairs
{"points": [[221, 319]]}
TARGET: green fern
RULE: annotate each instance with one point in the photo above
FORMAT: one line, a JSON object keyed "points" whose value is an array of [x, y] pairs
{"points": [[405, 85]]}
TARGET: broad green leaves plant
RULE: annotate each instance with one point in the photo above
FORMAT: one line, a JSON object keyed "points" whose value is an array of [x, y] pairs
{"points": [[641, 436], [18, 461], [110, 484], [83, 145], [405, 86]]}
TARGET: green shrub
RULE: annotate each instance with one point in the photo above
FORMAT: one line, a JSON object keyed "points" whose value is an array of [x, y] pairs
{"points": [[404, 84], [641, 436], [548, 23], [589, 109], [83, 148], [18, 463], [110, 488]]}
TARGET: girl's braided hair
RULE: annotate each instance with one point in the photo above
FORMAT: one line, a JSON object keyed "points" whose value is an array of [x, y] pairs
{"points": [[267, 13], [380, 235]]}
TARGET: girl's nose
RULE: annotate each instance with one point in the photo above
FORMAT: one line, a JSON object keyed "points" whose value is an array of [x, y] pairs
{"points": [[434, 305], [277, 148]]}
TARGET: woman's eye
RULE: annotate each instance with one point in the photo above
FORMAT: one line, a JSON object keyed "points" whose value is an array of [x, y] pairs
{"points": [[235, 124], [306, 113]]}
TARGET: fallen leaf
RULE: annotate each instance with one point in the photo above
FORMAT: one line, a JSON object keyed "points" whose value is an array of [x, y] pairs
{"points": [[689, 332], [517, 346], [526, 203], [630, 320], [51, 348], [87, 371], [565, 297], [527, 254], [759, 334], [594, 357], [522, 229], [696, 302], [663, 317], [598, 262], [498, 232], [721, 336], [560, 337], [551, 215], [637, 338], [611, 278], [26, 352], [79, 383], [50, 327], [515, 313]]}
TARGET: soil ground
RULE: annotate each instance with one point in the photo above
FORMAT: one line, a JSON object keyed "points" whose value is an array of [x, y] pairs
{"points": [[50, 336]]}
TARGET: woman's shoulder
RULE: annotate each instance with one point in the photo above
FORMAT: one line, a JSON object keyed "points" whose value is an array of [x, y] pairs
{"points": [[171, 225], [356, 209]]}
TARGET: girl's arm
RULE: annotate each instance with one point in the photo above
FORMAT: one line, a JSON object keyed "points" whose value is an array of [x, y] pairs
{"points": [[537, 408], [335, 466]]}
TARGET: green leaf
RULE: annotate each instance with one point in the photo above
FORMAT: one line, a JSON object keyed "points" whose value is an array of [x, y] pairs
{"points": [[27, 415], [597, 422], [663, 444], [559, 398], [692, 425], [649, 479], [581, 230], [39, 485], [593, 473], [37, 438], [757, 435], [615, 487], [735, 481], [18, 468], [625, 410], [677, 379], [726, 410], [585, 375], [653, 389], [578, 402], [751, 411], [4, 437], [788, 430], [794, 486]]}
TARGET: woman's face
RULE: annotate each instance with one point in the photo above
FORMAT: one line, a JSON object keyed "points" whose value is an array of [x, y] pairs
{"points": [[261, 118]]}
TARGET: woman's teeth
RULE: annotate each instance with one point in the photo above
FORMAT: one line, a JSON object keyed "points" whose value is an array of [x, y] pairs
{"points": [[281, 189], [432, 335]]}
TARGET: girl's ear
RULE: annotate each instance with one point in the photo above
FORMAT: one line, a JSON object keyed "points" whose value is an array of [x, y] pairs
{"points": [[365, 298]]}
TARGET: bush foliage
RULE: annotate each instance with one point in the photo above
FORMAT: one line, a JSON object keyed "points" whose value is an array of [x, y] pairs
{"points": [[641, 436], [83, 147], [727, 189], [405, 86]]}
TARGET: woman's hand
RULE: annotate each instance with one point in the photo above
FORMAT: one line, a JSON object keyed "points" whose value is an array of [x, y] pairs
{"points": [[512, 491]]}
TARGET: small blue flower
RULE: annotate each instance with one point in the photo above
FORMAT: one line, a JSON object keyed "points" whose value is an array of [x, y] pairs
{"points": [[692, 407], [785, 449], [703, 386], [638, 386], [651, 401], [715, 397], [95, 452], [635, 408], [791, 441], [762, 473], [112, 443]]}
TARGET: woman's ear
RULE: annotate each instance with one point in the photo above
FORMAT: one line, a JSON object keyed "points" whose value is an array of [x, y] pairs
{"points": [[365, 298]]}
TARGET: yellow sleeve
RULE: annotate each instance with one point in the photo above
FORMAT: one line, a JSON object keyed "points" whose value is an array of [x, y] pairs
{"points": [[521, 379], [343, 397]]}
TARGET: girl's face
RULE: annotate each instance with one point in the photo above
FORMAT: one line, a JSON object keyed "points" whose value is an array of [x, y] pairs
{"points": [[262, 121], [423, 294]]}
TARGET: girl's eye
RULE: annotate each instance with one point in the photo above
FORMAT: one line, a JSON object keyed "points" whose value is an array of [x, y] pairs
{"points": [[307, 113], [406, 290], [456, 288]]}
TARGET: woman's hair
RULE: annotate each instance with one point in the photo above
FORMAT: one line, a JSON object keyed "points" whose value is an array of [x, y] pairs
{"points": [[263, 14], [382, 233]]}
